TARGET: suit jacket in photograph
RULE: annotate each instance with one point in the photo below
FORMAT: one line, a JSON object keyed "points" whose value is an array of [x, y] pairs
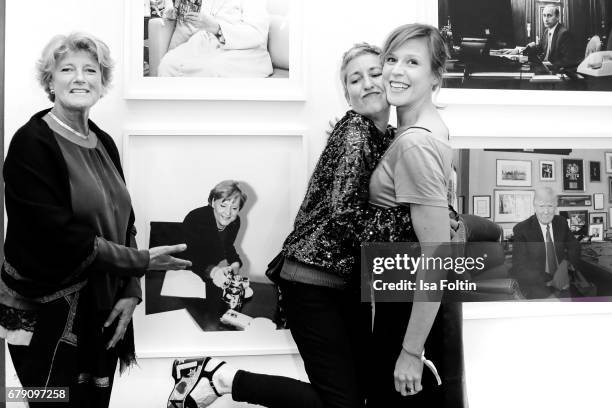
{"points": [[562, 48], [529, 254]]}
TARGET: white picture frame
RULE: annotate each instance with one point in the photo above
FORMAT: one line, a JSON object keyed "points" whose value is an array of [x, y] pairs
{"points": [[481, 206], [467, 96], [137, 86], [596, 232], [179, 165], [513, 173], [598, 201], [547, 170], [513, 205]]}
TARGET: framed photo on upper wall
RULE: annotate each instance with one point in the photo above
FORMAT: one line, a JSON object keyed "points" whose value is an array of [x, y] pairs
{"points": [[547, 170], [253, 52], [573, 174], [594, 171], [500, 53], [515, 173], [608, 159]]}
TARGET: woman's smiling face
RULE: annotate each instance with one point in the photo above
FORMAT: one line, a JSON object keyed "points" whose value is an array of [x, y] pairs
{"points": [[407, 75]]}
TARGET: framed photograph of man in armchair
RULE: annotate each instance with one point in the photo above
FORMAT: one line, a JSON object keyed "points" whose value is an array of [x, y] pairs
{"points": [[217, 49]]}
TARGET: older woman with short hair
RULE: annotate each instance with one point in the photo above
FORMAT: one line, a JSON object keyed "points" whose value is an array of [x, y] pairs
{"points": [[69, 282], [210, 231]]}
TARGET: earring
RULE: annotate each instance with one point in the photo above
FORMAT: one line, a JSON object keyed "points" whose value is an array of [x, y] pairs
{"points": [[52, 91]]}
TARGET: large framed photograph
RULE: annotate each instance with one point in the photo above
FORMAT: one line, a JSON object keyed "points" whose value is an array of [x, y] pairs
{"points": [[513, 173], [481, 206], [513, 205], [492, 55], [547, 170], [185, 309], [253, 53], [573, 174], [594, 171]]}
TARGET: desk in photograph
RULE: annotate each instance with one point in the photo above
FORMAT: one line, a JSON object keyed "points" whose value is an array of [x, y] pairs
{"points": [[525, 76], [596, 265]]}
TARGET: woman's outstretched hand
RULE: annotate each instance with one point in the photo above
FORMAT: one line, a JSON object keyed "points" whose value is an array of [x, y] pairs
{"points": [[407, 374], [161, 259]]}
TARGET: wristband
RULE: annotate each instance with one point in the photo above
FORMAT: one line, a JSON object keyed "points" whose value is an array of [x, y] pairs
{"points": [[420, 356]]}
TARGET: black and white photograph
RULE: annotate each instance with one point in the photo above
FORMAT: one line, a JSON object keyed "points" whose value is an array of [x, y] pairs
{"points": [[514, 173], [596, 232], [217, 49], [559, 45], [547, 170]]}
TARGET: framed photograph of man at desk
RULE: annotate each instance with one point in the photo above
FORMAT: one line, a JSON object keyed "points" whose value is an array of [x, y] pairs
{"points": [[573, 174], [534, 47]]}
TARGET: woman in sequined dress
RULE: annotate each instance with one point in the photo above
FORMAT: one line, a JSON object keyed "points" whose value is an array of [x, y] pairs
{"points": [[414, 174], [320, 277]]}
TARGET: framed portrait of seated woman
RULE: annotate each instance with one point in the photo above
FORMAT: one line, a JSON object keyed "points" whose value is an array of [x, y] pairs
{"points": [[233, 220], [214, 50]]}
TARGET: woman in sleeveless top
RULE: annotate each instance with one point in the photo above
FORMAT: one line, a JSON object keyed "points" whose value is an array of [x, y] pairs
{"points": [[414, 175]]}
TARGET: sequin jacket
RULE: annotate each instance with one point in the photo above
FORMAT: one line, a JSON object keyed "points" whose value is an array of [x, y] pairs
{"points": [[335, 215]]}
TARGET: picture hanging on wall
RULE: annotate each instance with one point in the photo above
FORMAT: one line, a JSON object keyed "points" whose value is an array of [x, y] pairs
{"points": [[498, 53], [608, 161], [583, 200], [256, 54], [513, 205], [547, 170], [481, 206], [595, 171], [213, 302], [598, 201], [573, 174], [513, 173]]}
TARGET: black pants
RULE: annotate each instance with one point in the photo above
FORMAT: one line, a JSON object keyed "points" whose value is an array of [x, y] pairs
{"points": [[331, 329], [444, 347]]}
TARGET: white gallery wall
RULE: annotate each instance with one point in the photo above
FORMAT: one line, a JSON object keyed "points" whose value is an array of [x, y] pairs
{"points": [[175, 150]]}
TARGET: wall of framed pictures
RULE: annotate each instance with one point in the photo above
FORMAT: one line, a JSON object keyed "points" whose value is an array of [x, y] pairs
{"points": [[580, 179]]}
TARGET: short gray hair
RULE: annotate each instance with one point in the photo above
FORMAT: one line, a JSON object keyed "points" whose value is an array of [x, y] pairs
{"points": [[57, 48], [227, 190]]}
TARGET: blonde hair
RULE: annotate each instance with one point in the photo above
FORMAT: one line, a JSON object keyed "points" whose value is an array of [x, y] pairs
{"points": [[60, 45]]}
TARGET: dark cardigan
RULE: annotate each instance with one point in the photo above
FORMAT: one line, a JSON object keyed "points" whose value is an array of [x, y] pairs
{"points": [[206, 246], [46, 249]]}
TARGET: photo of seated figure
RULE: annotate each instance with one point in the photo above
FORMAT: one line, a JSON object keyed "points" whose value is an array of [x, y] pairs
{"points": [[216, 292], [220, 39], [505, 44]]}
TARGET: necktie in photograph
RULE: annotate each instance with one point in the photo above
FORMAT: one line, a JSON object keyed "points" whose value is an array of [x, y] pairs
{"points": [[551, 258], [548, 45]]}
